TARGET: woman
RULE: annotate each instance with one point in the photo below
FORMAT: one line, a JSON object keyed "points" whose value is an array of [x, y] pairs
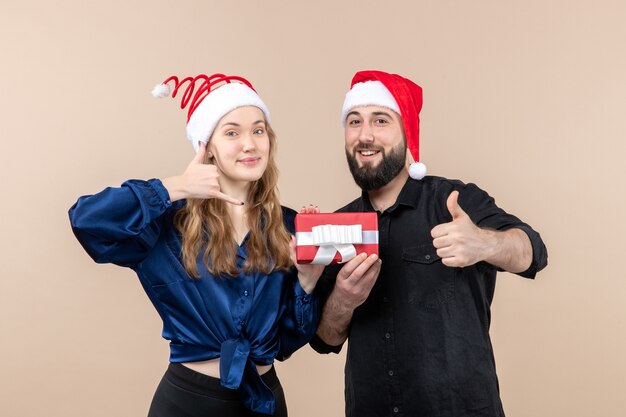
{"points": [[213, 251]]}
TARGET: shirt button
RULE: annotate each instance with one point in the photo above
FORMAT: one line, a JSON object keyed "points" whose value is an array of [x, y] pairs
{"points": [[390, 373], [396, 409], [242, 322], [387, 335], [385, 299], [427, 257], [245, 293]]}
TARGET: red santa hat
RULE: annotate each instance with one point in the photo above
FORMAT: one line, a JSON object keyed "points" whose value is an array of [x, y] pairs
{"points": [[378, 88], [216, 96]]}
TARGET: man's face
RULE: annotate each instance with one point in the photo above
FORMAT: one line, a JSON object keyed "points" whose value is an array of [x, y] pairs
{"points": [[375, 146]]}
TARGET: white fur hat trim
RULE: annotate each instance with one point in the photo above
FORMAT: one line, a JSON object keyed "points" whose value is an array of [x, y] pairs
{"points": [[216, 105], [368, 93]]}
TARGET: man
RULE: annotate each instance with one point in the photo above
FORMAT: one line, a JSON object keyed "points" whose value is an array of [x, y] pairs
{"points": [[418, 321]]}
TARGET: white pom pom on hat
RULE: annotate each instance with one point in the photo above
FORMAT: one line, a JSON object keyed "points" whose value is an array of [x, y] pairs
{"points": [[216, 96], [161, 90], [417, 170], [378, 88]]}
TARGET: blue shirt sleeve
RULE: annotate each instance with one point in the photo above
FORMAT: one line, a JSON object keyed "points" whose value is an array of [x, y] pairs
{"points": [[300, 312], [120, 225], [299, 318]]}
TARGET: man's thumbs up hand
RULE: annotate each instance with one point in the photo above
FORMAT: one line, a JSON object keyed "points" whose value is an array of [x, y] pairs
{"points": [[460, 242], [453, 206]]}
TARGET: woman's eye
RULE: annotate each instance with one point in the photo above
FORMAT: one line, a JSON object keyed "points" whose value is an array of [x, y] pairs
{"points": [[231, 133], [259, 131]]}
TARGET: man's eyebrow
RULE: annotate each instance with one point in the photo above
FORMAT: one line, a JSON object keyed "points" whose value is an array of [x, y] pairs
{"points": [[376, 113]]}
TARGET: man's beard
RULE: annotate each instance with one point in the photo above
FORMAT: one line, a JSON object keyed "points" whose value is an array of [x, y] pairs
{"points": [[368, 177]]}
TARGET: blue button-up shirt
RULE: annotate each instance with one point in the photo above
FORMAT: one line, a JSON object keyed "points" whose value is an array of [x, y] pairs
{"points": [[249, 319]]}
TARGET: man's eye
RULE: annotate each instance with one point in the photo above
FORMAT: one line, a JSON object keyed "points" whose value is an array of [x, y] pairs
{"points": [[353, 122], [380, 121]]}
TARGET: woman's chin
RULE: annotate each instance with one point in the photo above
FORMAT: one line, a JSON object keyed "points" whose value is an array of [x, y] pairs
{"points": [[250, 176]]}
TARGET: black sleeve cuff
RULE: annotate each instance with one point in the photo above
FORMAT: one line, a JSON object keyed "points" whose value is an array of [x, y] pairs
{"points": [[540, 253], [320, 346]]}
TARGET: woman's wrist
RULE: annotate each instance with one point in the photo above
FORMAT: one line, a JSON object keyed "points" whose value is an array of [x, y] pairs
{"points": [[174, 187]]}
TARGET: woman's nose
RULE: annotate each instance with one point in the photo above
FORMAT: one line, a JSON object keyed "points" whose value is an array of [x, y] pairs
{"points": [[248, 143]]}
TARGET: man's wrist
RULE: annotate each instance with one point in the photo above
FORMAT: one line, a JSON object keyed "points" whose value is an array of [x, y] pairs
{"points": [[339, 305], [492, 243], [510, 250]]}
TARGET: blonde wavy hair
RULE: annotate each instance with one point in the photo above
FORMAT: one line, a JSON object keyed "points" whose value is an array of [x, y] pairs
{"points": [[206, 224]]}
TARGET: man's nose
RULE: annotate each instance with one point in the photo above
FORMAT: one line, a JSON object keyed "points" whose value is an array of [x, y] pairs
{"points": [[366, 135]]}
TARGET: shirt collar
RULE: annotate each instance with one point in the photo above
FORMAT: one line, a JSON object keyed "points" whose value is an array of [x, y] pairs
{"points": [[242, 250], [409, 194]]}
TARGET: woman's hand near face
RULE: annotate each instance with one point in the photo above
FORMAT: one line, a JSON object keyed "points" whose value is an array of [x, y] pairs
{"points": [[199, 180], [308, 274]]}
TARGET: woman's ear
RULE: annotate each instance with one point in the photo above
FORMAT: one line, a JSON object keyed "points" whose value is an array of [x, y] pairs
{"points": [[209, 154]]}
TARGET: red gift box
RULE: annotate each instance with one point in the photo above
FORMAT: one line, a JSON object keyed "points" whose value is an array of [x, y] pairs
{"points": [[330, 238]]}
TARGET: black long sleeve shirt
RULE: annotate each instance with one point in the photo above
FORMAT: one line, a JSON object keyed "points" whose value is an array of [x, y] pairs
{"points": [[419, 346]]}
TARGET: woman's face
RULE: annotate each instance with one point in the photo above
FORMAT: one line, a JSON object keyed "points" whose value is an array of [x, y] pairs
{"points": [[240, 144]]}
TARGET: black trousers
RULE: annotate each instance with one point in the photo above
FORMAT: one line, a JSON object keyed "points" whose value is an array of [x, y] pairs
{"points": [[184, 392]]}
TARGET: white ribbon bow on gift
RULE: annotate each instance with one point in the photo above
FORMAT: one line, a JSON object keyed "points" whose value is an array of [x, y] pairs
{"points": [[333, 238]]}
